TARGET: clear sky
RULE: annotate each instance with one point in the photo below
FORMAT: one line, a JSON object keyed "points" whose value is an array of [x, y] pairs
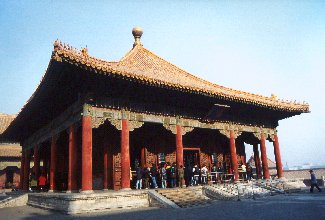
{"points": [[255, 46]]}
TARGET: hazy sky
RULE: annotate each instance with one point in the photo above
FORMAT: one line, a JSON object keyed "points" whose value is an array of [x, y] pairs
{"points": [[255, 46]]}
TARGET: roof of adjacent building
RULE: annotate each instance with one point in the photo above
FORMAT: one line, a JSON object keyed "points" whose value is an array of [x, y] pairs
{"points": [[10, 150], [5, 121], [271, 164], [140, 64]]}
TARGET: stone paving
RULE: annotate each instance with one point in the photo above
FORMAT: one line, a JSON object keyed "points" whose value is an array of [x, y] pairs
{"points": [[302, 205]]}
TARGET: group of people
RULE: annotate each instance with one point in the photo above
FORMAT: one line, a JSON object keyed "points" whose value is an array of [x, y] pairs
{"points": [[166, 175], [169, 175], [37, 184], [246, 172]]}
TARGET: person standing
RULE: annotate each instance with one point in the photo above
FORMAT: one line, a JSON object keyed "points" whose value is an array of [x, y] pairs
{"points": [[168, 174], [220, 172], [154, 174], [188, 174], [180, 173], [139, 172], [163, 175], [32, 182], [204, 174], [146, 176], [42, 182], [173, 176], [313, 181], [196, 174], [249, 172], [214, 173], [243, 170]]}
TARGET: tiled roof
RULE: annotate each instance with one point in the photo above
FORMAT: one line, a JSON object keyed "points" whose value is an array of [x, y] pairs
{"points": [[5, 121], [140, 64], [270, 163], [10, 150]]}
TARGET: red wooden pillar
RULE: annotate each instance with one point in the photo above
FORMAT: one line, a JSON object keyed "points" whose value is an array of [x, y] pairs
{"points": [[179, 146], [106, 167], [143, 157], [26, 170], [45, 164], [53, 164], [125, 155], [72, 172], [257, 161], [87, 168], [277, 156], [233, 154], [22, 163], [110, 168], [265, 165], [36, 162]]}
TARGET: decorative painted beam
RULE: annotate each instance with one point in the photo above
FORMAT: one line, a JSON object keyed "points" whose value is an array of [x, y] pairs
{"points": [[70, 116]]}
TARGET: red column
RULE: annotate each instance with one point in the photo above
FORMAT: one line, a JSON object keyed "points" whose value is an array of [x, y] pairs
{"points": [[125, 155], [277, 156], [265, 165], [105, 167], [233, 155], [110, 168], [257, 161], [53, 164], [87, 168], [22, 163], [143, 157], [45, 164], [72, 172], [179, 146], [36, 162], [26, 170]]}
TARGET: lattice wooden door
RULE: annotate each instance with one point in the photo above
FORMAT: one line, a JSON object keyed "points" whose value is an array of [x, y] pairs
{"points": [[117, 171]]}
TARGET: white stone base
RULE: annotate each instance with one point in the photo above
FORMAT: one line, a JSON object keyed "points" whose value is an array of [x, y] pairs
{"points": [[74, 203]]}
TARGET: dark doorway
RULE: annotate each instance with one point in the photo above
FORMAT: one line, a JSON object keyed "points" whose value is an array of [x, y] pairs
{"points": [[191, 157], [9, 177]]}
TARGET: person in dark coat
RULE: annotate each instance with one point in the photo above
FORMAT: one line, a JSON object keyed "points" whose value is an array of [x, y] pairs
{"points": [[188, 174], [173, 174], [146, 177], [139, 172], [249, 171], [154, 175], [168, 173]]}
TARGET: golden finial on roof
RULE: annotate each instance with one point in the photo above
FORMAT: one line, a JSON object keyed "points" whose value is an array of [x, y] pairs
{"points": [[273, 96], [137, 33], [56, 45], [84, 51]]}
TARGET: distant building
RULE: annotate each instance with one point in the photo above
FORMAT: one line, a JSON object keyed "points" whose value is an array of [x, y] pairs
{"points": [[271, 164], [10, 157]]}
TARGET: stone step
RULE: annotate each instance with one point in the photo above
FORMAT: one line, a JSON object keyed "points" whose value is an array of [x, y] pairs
{"points": [[185, 197]]}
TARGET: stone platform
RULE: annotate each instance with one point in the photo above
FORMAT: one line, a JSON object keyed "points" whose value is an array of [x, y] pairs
{"points": [[75, 203]]}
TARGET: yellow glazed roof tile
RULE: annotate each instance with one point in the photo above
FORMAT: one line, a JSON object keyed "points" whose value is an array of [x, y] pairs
{"points": [[142, 65]]}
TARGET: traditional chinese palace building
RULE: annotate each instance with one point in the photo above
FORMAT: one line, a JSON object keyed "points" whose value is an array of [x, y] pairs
{"points": [[90, 120]]}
